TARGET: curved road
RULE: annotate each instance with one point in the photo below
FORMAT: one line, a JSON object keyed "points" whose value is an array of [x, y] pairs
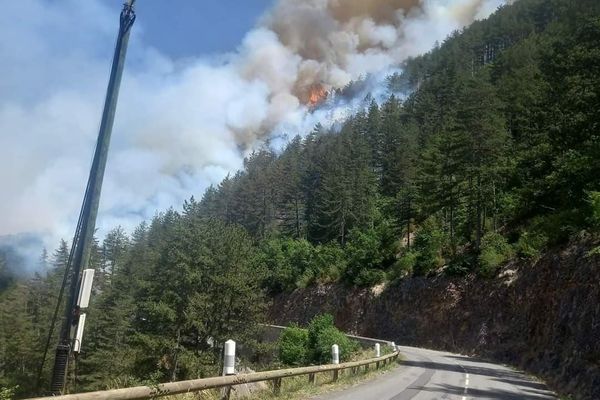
{"points": [[432, 375]]}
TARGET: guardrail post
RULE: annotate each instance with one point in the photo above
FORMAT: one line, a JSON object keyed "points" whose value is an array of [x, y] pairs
{"points": [[228, 365], [377, 350], [311, 379], [335, 359], [277, 386]]}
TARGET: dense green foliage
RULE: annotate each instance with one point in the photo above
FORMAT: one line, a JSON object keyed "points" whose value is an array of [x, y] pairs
{"points": [[488, 150], [293, 346], [164, 302], [299, 346], [322, 334]]}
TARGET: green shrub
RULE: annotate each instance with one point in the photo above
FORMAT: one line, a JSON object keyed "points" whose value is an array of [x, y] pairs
{"points": [[370, 250], [461, 264], [322, 334], [281, 277], [530, 244], [594, 252], [293, 346], [369, 277], [428, 246], [495, 250], [593, 200], [556, 227], [404, 266], [8, 393], [330, 262], [316, 325], [327, 338], [289, 262]]}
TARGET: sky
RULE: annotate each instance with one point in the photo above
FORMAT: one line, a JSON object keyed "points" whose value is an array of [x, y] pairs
{"points": [[205, 83], [184, 28]]}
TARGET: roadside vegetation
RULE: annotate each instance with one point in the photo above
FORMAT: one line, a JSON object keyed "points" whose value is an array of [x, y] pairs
{"points": [[487, 151], [312, 346]]}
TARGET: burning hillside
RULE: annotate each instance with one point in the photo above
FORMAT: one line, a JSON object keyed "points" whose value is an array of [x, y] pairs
{"points": [[304, 49]]}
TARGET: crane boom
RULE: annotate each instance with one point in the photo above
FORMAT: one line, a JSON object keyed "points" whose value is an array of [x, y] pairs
{"points": [[80, 251]]}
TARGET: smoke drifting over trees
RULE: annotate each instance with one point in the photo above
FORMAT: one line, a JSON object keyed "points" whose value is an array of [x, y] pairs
{"points": [[181, 126]]}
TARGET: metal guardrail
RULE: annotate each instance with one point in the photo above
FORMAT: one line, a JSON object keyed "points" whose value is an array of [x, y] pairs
{"points": [[196, 385], [361, 339]]}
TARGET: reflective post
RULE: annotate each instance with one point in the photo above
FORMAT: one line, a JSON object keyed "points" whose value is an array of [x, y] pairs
{"points": [[335, 359]]}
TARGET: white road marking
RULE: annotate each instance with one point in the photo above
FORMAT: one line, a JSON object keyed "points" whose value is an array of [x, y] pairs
{"points": [[466, 389]]}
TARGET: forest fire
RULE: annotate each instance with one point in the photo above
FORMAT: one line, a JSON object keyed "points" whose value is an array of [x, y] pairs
{"points": [[316, 95]]}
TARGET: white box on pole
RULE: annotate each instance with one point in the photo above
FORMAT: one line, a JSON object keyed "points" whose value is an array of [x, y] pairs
{"points": [[85, 288], [79, 335]]}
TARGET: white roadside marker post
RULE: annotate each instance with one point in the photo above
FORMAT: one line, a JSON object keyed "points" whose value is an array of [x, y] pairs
{"points": [[335, 359], [393, 346], [229, 358], [228, 365]]}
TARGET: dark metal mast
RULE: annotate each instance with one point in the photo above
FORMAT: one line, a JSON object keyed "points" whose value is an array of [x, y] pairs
{"points": [[87, 220]]}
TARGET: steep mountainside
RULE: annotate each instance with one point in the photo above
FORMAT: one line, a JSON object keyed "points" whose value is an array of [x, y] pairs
{"points": [[543, 317]]}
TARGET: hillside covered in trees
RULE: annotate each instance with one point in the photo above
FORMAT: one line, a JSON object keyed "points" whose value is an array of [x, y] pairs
{"points": [[490, 153]]}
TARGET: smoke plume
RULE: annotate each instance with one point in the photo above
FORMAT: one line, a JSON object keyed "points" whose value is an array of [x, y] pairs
{"points": [[181, 124]]}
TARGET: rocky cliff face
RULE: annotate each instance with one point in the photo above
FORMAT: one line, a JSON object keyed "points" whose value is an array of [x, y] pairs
{"points": [[544, 318]]}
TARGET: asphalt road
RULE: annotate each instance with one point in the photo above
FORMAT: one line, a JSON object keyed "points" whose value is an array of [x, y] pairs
{"points": [[432, 375]]}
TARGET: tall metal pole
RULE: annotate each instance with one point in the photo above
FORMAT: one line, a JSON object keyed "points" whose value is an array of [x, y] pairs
{"points": [[89, 210]]}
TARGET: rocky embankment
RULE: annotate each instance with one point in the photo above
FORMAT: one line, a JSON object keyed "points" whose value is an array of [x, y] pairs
{"points": [[544, 318]]}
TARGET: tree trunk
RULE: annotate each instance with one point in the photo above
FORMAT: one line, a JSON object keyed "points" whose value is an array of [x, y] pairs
{"points": [[408, 223], [297, 219], [478, 216], [452, 242], [176, 361]]}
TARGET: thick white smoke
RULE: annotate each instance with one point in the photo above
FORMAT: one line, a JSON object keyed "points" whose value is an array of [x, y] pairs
{"points": [[181, 124]]}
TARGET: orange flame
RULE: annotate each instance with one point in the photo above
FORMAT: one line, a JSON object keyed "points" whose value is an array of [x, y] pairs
{"points": [[316, 95]]}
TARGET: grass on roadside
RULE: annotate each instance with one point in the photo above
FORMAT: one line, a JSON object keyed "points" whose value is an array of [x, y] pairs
{"points": [[298, 387]]}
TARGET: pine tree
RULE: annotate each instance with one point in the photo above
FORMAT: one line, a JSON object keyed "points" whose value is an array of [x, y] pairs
{"points": [[346, 192], [290, 170], [482, 140]]}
